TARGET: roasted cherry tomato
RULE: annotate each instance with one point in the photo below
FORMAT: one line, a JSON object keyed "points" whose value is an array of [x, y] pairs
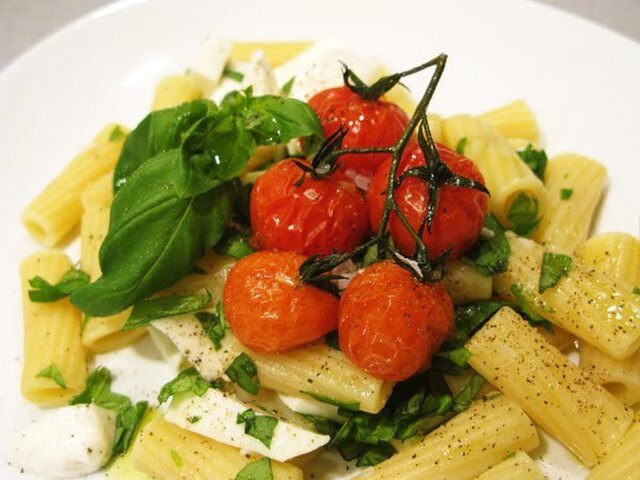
{"points": [[370, 123], [390, 323], [459, 215], [316, 217], [268, 307]]}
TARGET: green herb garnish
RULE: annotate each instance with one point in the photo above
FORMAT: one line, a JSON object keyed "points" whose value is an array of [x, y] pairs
{"points": [[244, 372], [256, 470], [554, 267], [490, 255], [146, 311], [43, 291], [565, 193], [188, 380], [536, 160], [460, 146], [331, 401], [525, 306], [52, 372], [523, 213], [260, 427], [214, 325], [233, 75], [116, 134]]}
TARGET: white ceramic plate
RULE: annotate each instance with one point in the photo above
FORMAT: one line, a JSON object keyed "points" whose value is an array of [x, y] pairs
{"points": [[581, 80]]}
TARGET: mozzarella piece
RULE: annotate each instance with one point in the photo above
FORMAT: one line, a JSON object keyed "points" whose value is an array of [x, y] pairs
{"points": [[210, 60], [218, 412], [66, 442], [310, 406], [320, 68], [170, 354], [260, 76]]}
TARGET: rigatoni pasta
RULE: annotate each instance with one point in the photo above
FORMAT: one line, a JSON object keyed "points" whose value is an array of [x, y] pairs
{"points": [[514, 120], [517, 466], [623, 462], [555, 393], [614, 254], [52, 338]]}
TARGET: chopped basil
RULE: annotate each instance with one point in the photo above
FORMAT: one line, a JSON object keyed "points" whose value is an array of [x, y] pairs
{"points": [[256, 470], [331, 401], [636, 291], [376, 454], [490, 255], [469, 318], [332, 340], [177, 459], [565, 193], [233, 75], [260, 427], [194, 419], [188, 380], [98, 391], [43, 291], [234, 244], [554, 266], [52, 372], [286, 88], [116, 134], [146, 311], [458, 356], [523, 213], [536, 160], [244, 372], [462, 401], [323, 425], [370, 256], [524, 305], [214, 325], [462, 143]]}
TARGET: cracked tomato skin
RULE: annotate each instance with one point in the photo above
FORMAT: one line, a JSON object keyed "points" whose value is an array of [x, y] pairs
{"points": [[370, 123], [270, 310], [390, 324], [459, 215], [318, 217]]}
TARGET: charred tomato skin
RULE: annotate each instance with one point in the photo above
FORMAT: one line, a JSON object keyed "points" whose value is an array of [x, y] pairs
{"points": [[270, 310], [390, 324]]}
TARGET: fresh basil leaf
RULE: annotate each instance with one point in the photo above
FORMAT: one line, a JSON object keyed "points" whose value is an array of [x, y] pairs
{"points": [[244, 372], [458, 356], [52, 372], [233, 75], [234, 244], [376, 454], [158, 132], [565, 193], [155, 238], [331, 401], [214, 325], [554, 267], [256, 470], [490, 255], [194, 419], [146, 311], [43, 291], [260, 427], [188, 380], [536, 160], [460, 146], [523, 213], [286, 88], [636, 291], [177, 459], [469, 318], [524, 305], [98, 391], [332, 340]]}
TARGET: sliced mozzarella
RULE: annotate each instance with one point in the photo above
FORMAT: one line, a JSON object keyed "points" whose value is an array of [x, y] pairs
{"points": [[218, 411], [310, 406], [320, 68], [171, 355], [67, 442], [187, 334], [210, 60], [259, 75]]}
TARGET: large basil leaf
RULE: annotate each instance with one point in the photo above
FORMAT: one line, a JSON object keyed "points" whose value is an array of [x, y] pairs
{"points": [[155, 237], [158, 132]]}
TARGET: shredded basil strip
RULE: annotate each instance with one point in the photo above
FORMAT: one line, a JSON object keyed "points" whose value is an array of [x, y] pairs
{"points": [[524, 305], [43, 291], [256, 470], [98, 391], [188, 380], [52, 372], [565, 193], [214, 324], [490, 255], [523, 213], [146, 311], [536, 160], [244, 372], [554, 267], [260, 427], [460, 146], [331, 401]]}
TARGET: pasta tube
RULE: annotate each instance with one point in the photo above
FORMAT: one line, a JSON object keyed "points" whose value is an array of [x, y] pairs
{"points": [[54, 367], [276, 52], [465, 446], [574, 187], [165, 451], [518, 466], [555, 393], [614, 254], [465, 284], [583, 302], [57, 210], [514, 120], [623, 463], [505, 175], [174, 90]]}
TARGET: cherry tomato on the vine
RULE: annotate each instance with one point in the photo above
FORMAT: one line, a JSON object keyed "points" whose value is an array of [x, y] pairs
{"points": [[459, 215], [370, 123], [268, 307], [316, 217], [390, 323]]}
